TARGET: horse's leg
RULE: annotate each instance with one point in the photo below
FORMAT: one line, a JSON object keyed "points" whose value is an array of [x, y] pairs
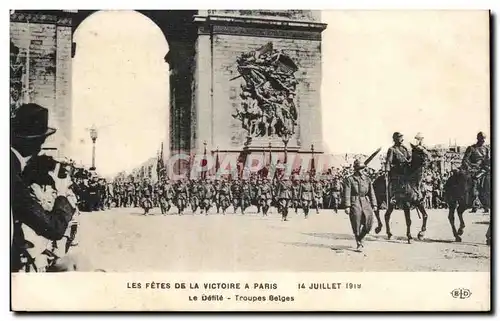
{"points": [[451, 217], [406, 209], [421, 234], [460, 211], [379, 221], [387, 217]]}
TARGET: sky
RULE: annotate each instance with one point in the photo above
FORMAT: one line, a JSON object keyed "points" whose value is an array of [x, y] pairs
{"points": [[382, 72]]}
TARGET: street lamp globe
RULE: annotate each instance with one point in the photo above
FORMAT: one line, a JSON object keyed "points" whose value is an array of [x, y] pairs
{"points": [[93, 133]]}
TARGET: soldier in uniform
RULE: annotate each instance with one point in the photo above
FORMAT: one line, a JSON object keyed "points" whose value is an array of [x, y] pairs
{"points": [[284, 196], [306, 195], [207, 195], [146, 193], [254, 193], [181, 195], [246, 195], [318, 195], [397, 161], [265, 196], [236, 193], [296, 194], [360, 202], [166, 193], [476, 162], [194, 193], [224, 196], [336, 192], [138, 194], [217, 186]]}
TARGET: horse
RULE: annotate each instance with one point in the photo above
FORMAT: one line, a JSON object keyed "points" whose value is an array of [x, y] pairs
{"points": [[458, 194], [407, 195]]}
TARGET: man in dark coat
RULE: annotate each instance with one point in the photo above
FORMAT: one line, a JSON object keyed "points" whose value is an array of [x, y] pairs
{"points": [[397, 160], [360, 202], [476, 162], [29, 129]]}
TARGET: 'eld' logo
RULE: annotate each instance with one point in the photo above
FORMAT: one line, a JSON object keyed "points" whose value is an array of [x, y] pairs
{"points": [[461, 293]]}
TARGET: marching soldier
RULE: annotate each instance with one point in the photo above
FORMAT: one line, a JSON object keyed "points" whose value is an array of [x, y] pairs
{"points": [[246, 195], [181, 195], [397, 160], [318, 195], [360, 203], [254, 191], [224, 196], [476, 161], [194, 194], [265, 196], [207, 196], [236, 190], [130, 201], [166, 195], [306, 195], [138, 194], [217, 186], [146, 201], [284, 196], [296, 194], [336, 192]]}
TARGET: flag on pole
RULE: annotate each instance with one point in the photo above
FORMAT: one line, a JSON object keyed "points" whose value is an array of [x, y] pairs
{"points": [[204, 161], [217, 164]]}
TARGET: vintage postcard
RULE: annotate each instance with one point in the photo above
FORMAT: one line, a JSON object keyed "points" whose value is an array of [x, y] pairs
{"points": [[250, 160]]}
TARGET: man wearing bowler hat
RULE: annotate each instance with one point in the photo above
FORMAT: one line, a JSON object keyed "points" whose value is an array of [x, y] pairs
{"points": [[29, 129]]}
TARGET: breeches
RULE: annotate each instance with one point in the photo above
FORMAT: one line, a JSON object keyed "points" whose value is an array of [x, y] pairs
{"points": [[361, 224]]}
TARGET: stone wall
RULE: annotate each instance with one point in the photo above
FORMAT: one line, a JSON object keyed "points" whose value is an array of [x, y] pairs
{"points": [[44, 42]]}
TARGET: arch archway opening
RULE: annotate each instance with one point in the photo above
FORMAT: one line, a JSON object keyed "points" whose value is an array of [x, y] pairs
{"points": [[120, 84]]}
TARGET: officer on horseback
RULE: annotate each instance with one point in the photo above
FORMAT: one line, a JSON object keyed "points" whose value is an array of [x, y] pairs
{"points": [[476, 161], [397, 160]]}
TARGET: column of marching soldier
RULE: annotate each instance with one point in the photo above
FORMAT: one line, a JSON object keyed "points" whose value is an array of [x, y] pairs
{"points": [[224, 194]]}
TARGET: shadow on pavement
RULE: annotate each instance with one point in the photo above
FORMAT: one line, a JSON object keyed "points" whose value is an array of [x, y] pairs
{"points": [[322, 246], [482, 222]]}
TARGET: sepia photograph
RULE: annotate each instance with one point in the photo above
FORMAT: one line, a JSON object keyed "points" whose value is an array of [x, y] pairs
{"points": [[244, 160]]}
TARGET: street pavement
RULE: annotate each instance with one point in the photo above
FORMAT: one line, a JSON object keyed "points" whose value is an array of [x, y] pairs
{"points": [[123, 240]]}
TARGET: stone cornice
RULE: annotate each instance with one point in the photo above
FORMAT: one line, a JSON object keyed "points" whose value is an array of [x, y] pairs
{"points": [[58, 17], [253, 22]]}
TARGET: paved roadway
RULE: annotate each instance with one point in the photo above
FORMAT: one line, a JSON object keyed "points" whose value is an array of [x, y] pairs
{"points": [[123, 240]]}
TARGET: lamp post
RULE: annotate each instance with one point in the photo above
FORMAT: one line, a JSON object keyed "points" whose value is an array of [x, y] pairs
{"points": [[93, 136]]}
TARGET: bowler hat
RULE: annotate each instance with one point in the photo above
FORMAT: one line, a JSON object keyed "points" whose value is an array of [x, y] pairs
{"points": [[358, 165], [31, 121]]}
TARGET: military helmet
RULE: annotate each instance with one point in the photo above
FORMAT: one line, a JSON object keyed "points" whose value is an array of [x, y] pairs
{"points": [[358, 165], [481, 135], [397, 135]]}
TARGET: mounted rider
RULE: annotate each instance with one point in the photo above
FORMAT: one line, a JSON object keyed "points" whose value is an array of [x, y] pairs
{"points": [[397, 161], [477, 162]]}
